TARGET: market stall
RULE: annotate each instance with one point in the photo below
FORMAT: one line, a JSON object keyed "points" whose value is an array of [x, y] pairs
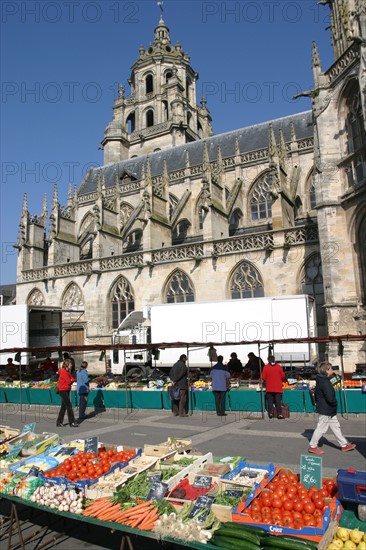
{"points": [[169, 492]]}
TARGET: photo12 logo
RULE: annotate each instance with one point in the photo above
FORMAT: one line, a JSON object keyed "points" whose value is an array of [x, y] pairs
{"points": [[70, 11]]}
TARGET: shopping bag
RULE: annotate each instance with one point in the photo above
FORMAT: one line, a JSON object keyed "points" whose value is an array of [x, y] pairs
{"points": [[173, 393], [285, 411]]}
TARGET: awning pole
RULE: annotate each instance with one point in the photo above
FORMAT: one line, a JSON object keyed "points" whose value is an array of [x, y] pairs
{"points": [[343, 392], [261, 381]]}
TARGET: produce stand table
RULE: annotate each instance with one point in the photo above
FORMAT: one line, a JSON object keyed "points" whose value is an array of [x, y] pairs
{"points": [[127, 533], [236, 400]]}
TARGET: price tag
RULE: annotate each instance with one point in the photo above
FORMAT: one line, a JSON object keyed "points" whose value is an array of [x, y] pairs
{"points": [[16, 450], [203, 482], [233, 493], [157, 491], [65, 451], [311, 471], [29, 427], [202, 507], [153, 476], [91, 445], [34, 471]]}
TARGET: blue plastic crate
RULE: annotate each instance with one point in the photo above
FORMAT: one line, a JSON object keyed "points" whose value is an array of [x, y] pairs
{"points": [[352, 486]]}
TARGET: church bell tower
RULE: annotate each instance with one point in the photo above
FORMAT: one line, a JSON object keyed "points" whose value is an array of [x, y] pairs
{"points": [[161, 111]]}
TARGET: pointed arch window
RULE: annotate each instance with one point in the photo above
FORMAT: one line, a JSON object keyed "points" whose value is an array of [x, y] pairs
{"points": [[149, 118], [261, 199], [122, 301], [179, 288], [361, 248], [130, 122], [312, 284], [36, 298], [73, 298], [352, 119], [312, 196], [246, 282], [149, 84]]}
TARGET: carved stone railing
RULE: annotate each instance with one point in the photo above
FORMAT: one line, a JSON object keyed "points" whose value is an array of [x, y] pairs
{"points": [[150, 130], [301, 235], [242, 244], [343, 63], [120, 262], [34, 275], [75, 268], [188, 252], [130, 100]]}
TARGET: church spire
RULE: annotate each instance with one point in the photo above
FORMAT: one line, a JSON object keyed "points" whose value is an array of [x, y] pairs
{"points": [[316, 64]]}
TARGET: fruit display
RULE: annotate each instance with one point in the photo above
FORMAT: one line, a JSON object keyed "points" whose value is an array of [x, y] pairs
{"points": [[87, 466], [286, 502], [352, 539]]}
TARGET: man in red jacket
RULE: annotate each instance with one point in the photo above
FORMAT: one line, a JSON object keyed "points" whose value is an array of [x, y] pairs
{"points": [[273, 376]]}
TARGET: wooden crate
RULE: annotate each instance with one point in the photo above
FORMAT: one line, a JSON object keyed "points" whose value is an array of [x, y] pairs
{"points": [[328, 535], [6, 432], [166, 448]]}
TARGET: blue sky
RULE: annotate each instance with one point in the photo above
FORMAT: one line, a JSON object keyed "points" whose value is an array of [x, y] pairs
{"points": [[62, 61]]}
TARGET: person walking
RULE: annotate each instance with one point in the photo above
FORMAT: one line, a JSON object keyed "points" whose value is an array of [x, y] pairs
{"points": [[273, 376], [179, 375], [219, 375], [82, 379], [65, 381], [326, 407]]}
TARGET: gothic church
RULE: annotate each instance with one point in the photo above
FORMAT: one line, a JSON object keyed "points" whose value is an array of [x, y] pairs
{"points": [[178, 214]]}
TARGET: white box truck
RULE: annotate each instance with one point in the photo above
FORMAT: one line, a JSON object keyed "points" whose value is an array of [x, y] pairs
{"points": [[24, 326], [250, 320]]}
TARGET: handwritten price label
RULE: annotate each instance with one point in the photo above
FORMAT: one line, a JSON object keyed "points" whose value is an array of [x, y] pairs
{"points": [[311, 471]]}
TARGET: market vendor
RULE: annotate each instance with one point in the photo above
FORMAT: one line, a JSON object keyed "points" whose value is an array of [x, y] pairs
{"points": [[48, 367]]}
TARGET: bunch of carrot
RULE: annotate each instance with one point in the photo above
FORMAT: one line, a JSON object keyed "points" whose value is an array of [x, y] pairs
{"points": [[143, 516]]}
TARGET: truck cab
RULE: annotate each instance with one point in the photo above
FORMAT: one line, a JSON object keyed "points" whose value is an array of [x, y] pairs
{"points": [[134, 329]]}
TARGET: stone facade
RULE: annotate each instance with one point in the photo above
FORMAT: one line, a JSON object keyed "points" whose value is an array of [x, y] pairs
{"points": [[179, 214]]}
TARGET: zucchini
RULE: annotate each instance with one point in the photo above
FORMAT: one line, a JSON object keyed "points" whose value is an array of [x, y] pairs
{"points": [[240, 535], [229, 543], [287, 543], [243, 526]]}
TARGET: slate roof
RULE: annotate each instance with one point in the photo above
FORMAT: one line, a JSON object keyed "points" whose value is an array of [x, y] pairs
{"points": [[251, 138]]}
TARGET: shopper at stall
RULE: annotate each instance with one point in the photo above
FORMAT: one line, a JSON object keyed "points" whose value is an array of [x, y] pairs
{"points": [[235, 366], [219, 375], [83, 380], [326, 407], [68, 357], [273, 376], [179, 375], [65, 381], [254, 365]]}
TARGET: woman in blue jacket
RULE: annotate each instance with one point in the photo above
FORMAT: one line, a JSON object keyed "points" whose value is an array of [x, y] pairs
{"points": [[326, 407], [82, 379]]}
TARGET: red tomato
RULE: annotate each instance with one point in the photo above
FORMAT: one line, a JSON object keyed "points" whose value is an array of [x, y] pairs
{"points": [[298, 505], [309, 507], [279, 493], [319, 503], [310, 522], [287, 522], [276, 502], [257, 517], [297, 515], [324, 493], [317, 513], [287, 504], [298, 524], [266, 511]]}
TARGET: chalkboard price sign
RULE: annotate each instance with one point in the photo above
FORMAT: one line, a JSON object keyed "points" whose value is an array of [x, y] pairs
{"points": [[203, 482], [16, 450], [29, 427], [91, 445], [202, 507], [34, 471], [311, 471], [233, 493], [153, 476], [157, 491]]}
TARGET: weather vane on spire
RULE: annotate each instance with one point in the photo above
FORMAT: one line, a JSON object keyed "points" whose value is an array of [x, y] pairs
{"points": [[160, 4]]}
